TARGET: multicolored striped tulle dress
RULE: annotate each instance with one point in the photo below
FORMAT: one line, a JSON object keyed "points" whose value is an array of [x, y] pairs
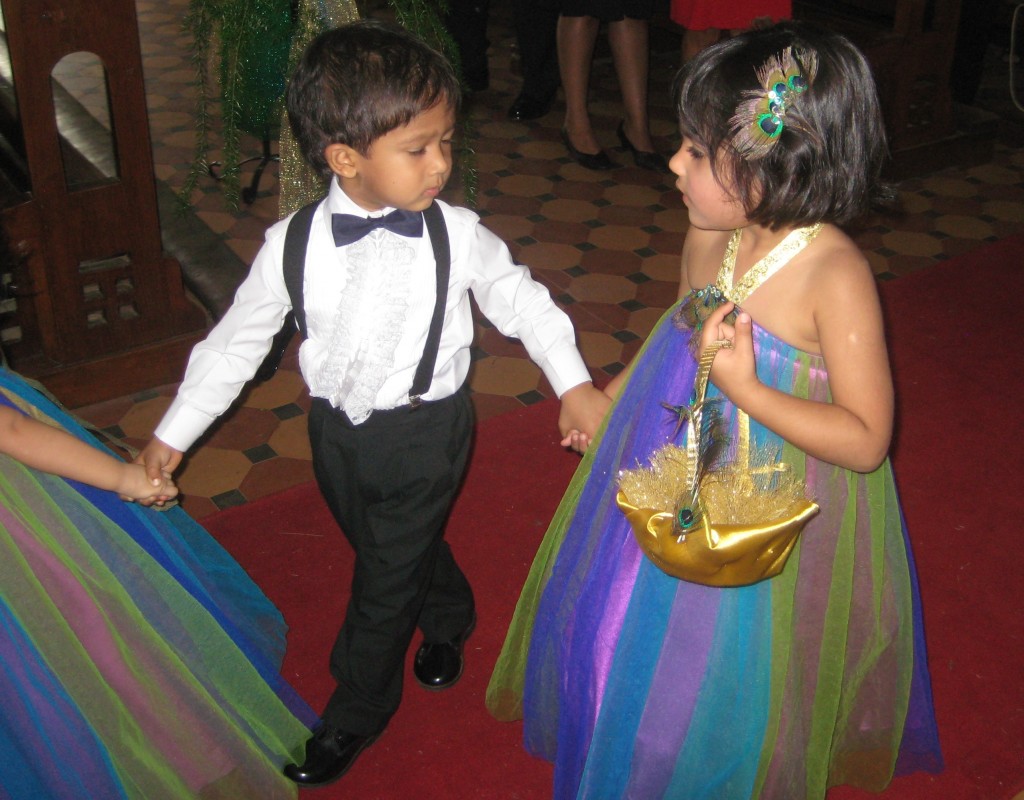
{"points": [[636, 684], [137, 659]]}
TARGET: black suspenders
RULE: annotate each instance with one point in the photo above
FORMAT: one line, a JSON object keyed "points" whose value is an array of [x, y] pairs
{"points": [[295, 241], [443, 260]]}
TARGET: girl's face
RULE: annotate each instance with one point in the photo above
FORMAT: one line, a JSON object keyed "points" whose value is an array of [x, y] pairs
{"points": [[710, 204]]}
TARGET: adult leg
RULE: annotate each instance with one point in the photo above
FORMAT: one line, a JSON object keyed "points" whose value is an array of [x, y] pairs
{"points": [[466, 21], [696, 40], [576, 37], [536, 23], [630, 46]]}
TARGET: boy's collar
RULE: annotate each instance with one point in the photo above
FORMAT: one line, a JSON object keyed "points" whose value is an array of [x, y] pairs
{"points": [[340, 203]]}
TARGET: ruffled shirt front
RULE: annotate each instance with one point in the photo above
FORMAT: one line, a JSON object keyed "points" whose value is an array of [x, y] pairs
{"points": [[368, 324]]}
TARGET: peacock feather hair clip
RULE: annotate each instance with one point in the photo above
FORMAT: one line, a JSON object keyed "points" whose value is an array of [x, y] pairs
{"points": [[762, 116]]}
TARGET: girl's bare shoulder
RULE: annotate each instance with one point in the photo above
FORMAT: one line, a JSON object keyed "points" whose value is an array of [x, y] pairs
{"points": [[837, 264], [829, 275]]}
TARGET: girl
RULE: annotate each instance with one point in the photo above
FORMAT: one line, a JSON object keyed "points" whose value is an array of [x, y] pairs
{"points": [[138, 659], [637, 684]]}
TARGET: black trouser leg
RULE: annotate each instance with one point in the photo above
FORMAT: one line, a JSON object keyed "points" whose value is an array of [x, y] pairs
{"points": [[536, 22], [467, 23], [390, 483]]}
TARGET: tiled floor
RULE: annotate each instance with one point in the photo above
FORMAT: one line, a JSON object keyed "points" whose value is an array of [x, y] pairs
{"points": [[606, 244]]}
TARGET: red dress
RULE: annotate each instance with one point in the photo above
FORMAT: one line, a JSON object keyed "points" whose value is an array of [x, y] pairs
{"points": [[699, 15]]}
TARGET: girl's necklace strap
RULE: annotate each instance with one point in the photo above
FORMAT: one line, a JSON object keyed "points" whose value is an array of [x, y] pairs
{"points": [[780, 255]]}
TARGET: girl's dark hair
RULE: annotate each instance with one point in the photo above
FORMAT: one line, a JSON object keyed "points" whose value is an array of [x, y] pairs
{"points": [[359, 81], [826, 165]]}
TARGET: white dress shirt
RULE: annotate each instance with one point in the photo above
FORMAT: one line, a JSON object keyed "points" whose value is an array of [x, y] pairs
{"points": [[376, 343]]}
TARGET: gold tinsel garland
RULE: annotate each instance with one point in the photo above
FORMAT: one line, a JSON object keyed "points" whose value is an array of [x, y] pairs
{"points": [[238, 31], [300, 184]]}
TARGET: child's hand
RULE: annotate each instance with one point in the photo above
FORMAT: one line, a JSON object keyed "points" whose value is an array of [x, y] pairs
{"points": [[583, 409], [733, 371], [159, 461], [136, 486], [575, 440]]}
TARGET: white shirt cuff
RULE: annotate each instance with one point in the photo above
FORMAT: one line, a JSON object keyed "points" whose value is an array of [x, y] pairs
{"points": [[565, 369], [182, 425]]}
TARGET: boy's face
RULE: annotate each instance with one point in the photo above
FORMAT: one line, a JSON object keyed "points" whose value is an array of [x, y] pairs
{"points": [[405, 168]]}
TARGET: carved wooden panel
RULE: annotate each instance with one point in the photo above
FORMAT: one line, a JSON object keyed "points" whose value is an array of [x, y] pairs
{"points": [[79, 194], [910, 46]]}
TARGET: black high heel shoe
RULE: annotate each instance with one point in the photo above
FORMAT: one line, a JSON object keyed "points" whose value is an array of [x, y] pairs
{"points": [[642, 158], [598, 160]]}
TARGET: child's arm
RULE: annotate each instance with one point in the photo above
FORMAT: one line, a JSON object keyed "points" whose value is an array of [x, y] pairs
{"points": [[49, 449], [613, 386], [854, 430]]}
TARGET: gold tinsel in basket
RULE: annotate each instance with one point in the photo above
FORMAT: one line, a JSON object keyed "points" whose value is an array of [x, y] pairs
{"points": [[729, 495]]}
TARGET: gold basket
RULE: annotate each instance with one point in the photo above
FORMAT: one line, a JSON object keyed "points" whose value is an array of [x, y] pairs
{"points": [[743, 531]]}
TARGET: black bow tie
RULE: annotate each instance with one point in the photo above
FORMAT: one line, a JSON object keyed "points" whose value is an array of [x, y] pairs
{"points": [[349, 228]]}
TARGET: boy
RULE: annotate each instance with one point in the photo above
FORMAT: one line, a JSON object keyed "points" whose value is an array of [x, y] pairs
{"points": [[373, 108]]}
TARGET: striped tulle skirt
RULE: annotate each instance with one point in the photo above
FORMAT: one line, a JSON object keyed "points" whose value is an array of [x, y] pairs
{"points": [[137, 659], [636, 684]]}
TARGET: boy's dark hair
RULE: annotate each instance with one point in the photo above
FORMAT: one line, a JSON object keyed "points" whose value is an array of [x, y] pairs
{"points": [[359, 81], [826, 165]]}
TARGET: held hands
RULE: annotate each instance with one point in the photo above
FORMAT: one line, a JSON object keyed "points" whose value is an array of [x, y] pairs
{"points": [[583, 409], [159, 461], [733, 371], [137, 487]]}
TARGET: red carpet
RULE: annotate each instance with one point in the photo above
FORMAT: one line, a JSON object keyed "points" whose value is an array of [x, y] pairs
{"points": [[957, 360]]}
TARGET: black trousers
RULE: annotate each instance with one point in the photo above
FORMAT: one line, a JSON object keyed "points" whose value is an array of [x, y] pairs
{"points": [[390, 483], [466, 21], [536, 23]]}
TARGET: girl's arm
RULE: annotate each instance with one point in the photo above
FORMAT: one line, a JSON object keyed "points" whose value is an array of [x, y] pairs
{"points": [[854, 430], [49, 449], [613, 386]]}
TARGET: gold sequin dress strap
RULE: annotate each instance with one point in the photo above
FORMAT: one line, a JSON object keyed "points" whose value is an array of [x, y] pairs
{"points": [[780, 255], [299, 184]]}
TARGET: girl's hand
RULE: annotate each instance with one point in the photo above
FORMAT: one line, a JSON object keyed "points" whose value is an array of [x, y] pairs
{"points": [[577, 441], [137, 486], [733, 371], [159, 461]]}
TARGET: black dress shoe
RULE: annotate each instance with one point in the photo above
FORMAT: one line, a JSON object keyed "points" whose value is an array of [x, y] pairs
{"points": [[598, 160], [527, 107], [642, 158], [330, 753], [439, 666]]}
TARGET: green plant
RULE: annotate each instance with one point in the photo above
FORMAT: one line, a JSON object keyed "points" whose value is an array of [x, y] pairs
{"points": [[251, 39], [240, 52]]}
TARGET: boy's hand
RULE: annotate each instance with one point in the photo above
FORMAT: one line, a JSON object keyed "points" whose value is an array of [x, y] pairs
{"points": [[583, 409], [159, 460], [137, 487]]}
